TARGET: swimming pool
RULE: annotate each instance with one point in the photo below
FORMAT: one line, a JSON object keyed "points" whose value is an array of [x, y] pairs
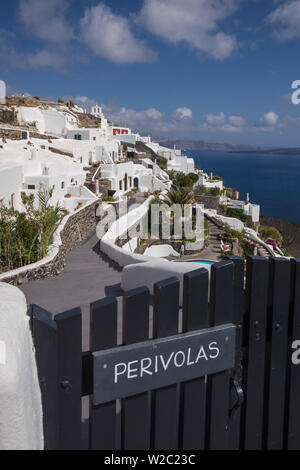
{"points": [[203, 262]]}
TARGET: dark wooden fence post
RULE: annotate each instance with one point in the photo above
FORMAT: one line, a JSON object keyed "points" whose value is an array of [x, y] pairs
{"points": [[237, 377], [166, 401], [44, 333], [280, 276], [103, 335], [69, 378], [136, 409], [194, 317], [293, 436], [255, 326], [221, 310]]}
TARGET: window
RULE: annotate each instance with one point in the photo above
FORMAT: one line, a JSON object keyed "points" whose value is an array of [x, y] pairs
{"points": [[62, 185], [31, 186], [94, 138], [120, 185]]}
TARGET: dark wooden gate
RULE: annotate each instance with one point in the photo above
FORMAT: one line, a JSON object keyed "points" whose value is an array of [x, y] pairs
{"points": [[255, 405]]}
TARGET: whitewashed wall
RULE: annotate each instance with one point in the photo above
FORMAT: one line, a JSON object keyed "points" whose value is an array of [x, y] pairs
{"points": [[21, 425]]}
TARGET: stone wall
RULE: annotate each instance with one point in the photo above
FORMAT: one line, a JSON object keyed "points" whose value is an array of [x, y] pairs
{"points": [[13, 134], [209, 202], [76, 229], [16, 134]]}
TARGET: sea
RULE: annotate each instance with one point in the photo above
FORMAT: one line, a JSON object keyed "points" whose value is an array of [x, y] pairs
{"points": [[273, 181]]}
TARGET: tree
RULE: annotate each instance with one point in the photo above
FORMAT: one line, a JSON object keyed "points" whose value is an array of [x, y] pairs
{"points": [[182, 180], [181, 196]]}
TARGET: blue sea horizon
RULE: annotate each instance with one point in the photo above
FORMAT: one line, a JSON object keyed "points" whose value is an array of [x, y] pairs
{"points": [[273, 181]]}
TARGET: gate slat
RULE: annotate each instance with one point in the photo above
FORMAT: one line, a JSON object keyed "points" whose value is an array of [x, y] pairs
{"points": [[221, 310], [280, 280], [255, 342], [195, 316], [135, 410], [69, 378], [238, 319], [293, 441], [44, 334], [103, 335], [165, 402]]}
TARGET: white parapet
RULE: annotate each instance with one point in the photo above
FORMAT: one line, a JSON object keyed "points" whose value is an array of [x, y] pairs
{"points": [[147, 274], [21, 426]]}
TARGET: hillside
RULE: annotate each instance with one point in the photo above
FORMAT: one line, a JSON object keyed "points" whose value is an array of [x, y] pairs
{"points": [[185, 144], [14, 113]]}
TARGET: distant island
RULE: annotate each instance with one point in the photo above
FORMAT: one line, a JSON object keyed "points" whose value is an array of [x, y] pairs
{"points": [[274, 151], [185, 144]]}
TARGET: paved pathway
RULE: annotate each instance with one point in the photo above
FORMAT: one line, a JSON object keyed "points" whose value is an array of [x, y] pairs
{"points": [[213, 251], [88, 276]]}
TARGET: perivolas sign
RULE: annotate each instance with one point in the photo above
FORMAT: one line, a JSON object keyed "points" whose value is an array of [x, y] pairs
{"points": [[137, 368]]}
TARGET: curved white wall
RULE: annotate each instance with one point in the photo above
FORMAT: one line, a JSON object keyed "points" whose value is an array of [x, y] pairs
{"points": [[147, 274], [21, 425], [118, 228]]}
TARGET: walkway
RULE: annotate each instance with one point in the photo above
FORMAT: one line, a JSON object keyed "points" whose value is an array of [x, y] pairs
{"points": [[88, 276], [213, 251]]}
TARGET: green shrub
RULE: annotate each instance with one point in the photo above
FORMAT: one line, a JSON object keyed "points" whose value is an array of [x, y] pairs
{"points": [[182, 180], [25, 236], [236, 213], [108, 199], [269, 232]]}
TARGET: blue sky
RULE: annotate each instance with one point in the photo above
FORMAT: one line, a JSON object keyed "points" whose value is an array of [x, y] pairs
{"points": [[217, 70]]}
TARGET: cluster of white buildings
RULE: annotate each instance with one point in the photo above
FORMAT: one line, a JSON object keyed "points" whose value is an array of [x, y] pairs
{"points": [[31, 165], [62, 163], [31, 168]]}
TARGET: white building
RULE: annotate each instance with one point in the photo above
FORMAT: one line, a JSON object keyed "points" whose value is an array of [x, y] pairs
{"points": [[48, 120], [176, 161], [128, 175], [209, 181], [97, 111], [88, 152], [32, 168]]}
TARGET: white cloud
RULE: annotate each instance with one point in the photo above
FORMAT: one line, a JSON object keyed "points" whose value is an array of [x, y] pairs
{"points": [[286, 19], [196, 22], [153, 113], [269, 119], [155, 122], [237, 121], [148, 120], [215, 119], [183, 113], [46, 19], [109, 35], [44, 58]]}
